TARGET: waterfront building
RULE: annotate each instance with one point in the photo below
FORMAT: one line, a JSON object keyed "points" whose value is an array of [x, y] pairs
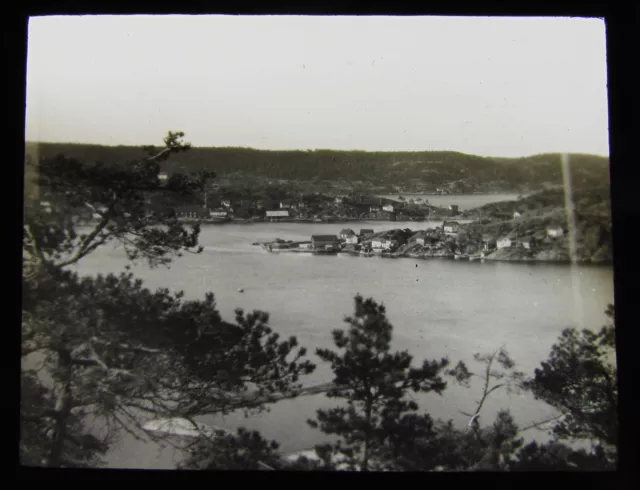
{"points": [[324, 241]]}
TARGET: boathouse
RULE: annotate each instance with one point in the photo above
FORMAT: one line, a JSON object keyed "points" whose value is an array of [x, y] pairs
{"points": [[277, 215], [324, 241]]}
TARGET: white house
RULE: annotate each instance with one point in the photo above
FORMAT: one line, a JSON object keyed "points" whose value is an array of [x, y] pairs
{"points": [[163, 176], [527, 243], [516, 215], [226, 203], [352, 239], [305, 245], [339, 200], [218, 213], [388, 208], [451, 227], [504, 243], [381, 243], [278, 214], [555, 231]]}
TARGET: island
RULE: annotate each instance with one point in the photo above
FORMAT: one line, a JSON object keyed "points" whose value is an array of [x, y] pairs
{"points": [[537, 228]]}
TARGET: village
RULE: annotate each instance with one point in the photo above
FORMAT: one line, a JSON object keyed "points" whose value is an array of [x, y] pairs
{"points": [[287, 206], [291, 211], [313, 208], [450, 240]]}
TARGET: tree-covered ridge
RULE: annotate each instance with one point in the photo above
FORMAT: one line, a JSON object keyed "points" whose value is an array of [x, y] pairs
{"points": [[426, 170]]}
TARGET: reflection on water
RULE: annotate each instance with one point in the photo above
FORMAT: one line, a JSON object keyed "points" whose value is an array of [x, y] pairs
{"points": [[439, 308]]}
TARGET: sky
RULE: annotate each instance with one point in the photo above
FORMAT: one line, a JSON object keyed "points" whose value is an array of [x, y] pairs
{"points": [[486, 86]]}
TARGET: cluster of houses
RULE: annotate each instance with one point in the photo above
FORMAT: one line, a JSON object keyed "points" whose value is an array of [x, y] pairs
{"points": [[526, 241], [334, 242], [427, 238], [242, 209], [382, 242]]}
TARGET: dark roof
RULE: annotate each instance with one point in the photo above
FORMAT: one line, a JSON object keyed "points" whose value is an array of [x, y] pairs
{"points": [[324, 237], [347, 231], [365, 230], [450, 223]]}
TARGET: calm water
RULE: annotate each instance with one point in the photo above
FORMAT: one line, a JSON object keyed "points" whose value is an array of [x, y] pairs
{"points": [[465, 201], [438, 308]]}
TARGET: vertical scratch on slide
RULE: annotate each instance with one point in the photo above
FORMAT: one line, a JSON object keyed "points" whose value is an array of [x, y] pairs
{"points": [[571, 235]]}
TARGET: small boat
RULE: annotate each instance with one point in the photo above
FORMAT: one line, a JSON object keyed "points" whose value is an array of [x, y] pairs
{"points": [[241, 290]]}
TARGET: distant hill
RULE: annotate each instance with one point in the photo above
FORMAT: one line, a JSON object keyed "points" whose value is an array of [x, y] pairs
{"points": [[418, 171]]}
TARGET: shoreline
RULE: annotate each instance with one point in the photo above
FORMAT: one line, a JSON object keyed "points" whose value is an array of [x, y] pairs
{"points": [[331, 221], [457, 194], [382, 255]]}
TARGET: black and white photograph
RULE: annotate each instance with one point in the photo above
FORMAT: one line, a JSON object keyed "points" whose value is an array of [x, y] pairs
{"points": [[317, 243]]}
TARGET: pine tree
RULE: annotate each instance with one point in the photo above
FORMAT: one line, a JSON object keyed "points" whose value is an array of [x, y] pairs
{"points": [[111, 349], [579, 379], [378, 420]]}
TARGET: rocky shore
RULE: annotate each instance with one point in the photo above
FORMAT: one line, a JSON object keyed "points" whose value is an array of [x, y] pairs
{"points": [[459, 242]]}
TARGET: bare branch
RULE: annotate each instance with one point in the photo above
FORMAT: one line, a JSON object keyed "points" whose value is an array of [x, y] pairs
{"points": [[86, 245], [536, 425], [95, 360]]}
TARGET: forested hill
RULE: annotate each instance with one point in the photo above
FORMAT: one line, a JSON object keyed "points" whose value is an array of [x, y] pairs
{"points": [[410, 170]]}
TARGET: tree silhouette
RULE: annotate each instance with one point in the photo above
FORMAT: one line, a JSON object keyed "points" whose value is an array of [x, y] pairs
{"points": [[579, 379], [112, 350], [378, 420]]}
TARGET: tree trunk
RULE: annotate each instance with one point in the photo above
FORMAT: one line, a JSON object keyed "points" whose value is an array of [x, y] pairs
{"points": [[63, 409], [367, 437]]}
